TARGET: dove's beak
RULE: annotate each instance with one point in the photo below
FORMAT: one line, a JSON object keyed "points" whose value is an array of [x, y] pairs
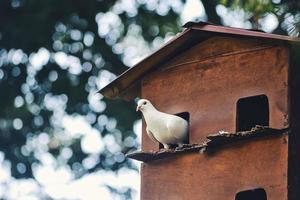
{"points": [[138, 108]]}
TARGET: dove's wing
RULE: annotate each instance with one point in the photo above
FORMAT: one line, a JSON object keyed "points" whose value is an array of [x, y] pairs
{"points": [[151, 135], [177, 127]]}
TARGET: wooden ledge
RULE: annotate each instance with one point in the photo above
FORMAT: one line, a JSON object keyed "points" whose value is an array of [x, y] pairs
{"points": [[223, 138], [165, 153], [214, 142]]}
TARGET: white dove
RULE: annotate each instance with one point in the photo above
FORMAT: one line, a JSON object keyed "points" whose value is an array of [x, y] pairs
{"points": [[161, 127]]}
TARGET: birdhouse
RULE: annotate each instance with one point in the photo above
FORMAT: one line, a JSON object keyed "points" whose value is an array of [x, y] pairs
{"points": [[241, 96]]}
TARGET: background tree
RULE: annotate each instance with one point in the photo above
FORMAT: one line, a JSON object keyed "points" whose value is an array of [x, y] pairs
{"points": [[55, 55]]}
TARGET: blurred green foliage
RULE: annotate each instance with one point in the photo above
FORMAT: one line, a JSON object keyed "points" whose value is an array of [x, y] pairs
{"points": [[286, 11]]}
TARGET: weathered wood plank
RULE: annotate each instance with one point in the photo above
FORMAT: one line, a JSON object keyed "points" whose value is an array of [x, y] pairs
{"points": [[214, 142]]}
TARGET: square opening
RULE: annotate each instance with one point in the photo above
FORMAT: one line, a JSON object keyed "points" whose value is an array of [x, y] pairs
{"points": [[252, 111], [255, 194], [186, 116]]}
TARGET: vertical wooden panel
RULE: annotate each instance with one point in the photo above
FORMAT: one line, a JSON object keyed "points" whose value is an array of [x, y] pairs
{"points": [[243, 166], [209, 90]]}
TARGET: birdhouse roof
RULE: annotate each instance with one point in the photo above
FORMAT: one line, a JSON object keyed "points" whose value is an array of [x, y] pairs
{"points": [[127, 84]]}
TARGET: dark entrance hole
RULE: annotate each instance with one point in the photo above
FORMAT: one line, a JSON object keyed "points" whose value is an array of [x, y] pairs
{"points": [[252, 111], [186, 116], [255, 194]]}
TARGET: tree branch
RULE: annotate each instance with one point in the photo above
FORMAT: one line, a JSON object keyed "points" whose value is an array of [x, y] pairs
{"points": [[210, 9]]}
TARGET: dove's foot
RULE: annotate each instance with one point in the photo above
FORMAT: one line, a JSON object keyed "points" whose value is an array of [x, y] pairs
{"points": [[166, 146], [165, 150], [180, 146]]}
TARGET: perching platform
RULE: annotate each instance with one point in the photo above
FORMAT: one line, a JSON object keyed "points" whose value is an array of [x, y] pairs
{"points": [[214, 142]]}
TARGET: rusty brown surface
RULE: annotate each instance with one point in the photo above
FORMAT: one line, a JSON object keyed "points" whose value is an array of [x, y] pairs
{"points": [[126, 85], [214, 142], [213, 47], [258, 164], [209, 90]]}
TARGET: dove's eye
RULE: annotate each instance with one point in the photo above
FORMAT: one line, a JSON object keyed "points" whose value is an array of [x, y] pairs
{"points": [[145, 103]]}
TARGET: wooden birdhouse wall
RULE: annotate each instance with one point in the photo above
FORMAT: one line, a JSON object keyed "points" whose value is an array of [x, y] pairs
{"points": [[221, 176], [207, 81]]}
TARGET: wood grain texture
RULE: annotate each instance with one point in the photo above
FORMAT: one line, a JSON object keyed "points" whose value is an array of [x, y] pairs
{"points": [[213, 143], [261, 163], [209, 89]]}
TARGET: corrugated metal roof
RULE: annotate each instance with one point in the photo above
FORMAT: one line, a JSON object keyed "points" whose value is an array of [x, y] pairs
{"points": [[194, 33]]}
